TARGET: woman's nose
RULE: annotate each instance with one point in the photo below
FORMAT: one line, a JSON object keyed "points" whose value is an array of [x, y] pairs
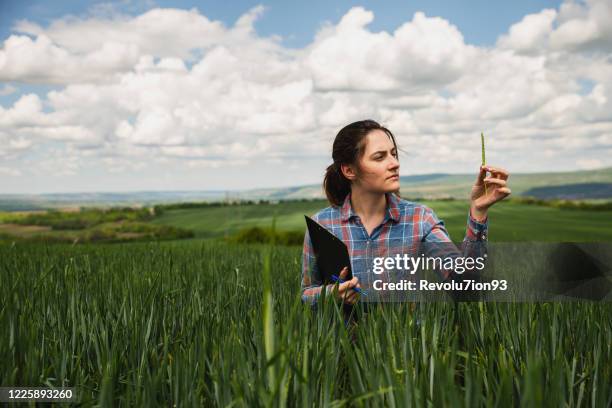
{"points": [[394, 162]]}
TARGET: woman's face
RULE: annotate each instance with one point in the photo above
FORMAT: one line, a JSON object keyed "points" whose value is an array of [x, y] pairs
{"points": [[379, 167]]}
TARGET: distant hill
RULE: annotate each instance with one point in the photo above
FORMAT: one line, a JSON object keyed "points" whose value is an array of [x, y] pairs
{"points": [[522, 184], [28, 202], [440, 185], [588, 184], [572, 191]]}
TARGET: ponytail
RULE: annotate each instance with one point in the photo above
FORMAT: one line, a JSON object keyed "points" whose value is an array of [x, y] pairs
{"points": [[336, 186]]}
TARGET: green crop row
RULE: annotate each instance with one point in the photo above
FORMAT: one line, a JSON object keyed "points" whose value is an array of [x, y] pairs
{"points": [[258, 235], [85, 218], [566, 204], [210, 324], [106, 233]]}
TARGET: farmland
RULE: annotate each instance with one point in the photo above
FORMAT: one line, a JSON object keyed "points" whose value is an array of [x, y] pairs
{"points": [[509, 221], [182, 323], [194, 323], [86, 225]]}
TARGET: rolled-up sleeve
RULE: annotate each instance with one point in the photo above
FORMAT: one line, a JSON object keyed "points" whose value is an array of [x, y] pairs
{"points": [[475, 242], [476, 230]]}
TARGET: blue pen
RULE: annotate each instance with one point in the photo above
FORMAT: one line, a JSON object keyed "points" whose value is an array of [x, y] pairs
{"points": [[358, 290]]}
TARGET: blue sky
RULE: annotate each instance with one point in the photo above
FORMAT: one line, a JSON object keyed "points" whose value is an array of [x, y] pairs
{"points": [[481, 22], [110, 96]]}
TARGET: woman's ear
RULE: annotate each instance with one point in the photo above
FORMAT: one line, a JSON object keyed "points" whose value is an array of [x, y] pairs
{"points": [[348, 172]]}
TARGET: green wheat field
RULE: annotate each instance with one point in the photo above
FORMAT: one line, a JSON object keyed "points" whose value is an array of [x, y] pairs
{"points": [[202, 322]]}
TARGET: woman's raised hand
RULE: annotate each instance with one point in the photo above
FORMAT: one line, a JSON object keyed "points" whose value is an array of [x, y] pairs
{"points": [[496, 190], [344, 290]]}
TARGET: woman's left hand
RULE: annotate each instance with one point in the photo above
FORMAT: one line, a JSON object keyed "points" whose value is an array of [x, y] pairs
{"points": [[496, 190]]}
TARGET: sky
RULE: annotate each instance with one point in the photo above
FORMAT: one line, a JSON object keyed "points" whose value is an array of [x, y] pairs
{"points": [[183, 95]]}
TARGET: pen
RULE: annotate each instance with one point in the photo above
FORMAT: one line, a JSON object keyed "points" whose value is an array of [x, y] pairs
{"points": [[358, 290]]}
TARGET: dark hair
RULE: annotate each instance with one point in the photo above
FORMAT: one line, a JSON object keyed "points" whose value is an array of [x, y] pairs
{"points": [[348, 148]]}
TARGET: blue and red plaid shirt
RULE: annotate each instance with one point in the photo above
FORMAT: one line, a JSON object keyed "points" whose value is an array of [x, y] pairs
{"points": [[405, 224]]}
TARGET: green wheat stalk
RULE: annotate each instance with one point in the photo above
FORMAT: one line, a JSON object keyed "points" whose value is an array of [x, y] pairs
{"points": [[484, 162]]}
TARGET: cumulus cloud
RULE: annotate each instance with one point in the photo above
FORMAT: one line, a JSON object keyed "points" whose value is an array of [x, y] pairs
{"points": [[421, 54], [576, 27], [172, 85], [531, 33], [96, 49], [12, 147]]}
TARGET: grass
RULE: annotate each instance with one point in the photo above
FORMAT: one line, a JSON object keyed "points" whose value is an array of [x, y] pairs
{"points": [[87, 225], [217, 222], [202, 323], [484, 162], [509, 221], [85, 218]]}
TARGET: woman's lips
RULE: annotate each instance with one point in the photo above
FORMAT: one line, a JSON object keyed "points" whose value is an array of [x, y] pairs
{"points": [[395, 177]]}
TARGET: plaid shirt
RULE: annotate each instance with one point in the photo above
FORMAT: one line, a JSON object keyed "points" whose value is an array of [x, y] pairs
{"points": [[405, 224]]}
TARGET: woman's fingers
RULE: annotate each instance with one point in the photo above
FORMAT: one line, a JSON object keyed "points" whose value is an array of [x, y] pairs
{"points": [[346, 292], [346, 286], [499, 182], [354, 295], [498, 171], [351, 297], [344, 295], [343, 273], [343, 288], [504, 190], [481, 175]]}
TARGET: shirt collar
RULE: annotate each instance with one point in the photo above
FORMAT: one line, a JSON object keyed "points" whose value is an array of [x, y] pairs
{"points": [[346, 211]]}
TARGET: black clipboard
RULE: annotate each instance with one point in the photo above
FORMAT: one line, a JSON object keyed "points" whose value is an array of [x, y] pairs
{"points": [[331, 253]]}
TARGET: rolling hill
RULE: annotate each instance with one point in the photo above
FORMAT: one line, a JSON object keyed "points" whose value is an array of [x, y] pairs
{"points": [[588, 184]]}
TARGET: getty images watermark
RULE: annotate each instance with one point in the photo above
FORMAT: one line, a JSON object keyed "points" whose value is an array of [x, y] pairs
{"points": [[473, 271], [403, 263]]}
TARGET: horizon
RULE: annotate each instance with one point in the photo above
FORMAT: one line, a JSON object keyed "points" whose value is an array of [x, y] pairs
{"points": [[220, 191]]}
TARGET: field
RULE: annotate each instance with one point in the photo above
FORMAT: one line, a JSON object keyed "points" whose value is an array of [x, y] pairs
{"points": [[204, 323], [86, 225], [509, 221], [183, 323]]}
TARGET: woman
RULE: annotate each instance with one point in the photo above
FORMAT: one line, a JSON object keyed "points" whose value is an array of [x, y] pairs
{"points": [[362, 186]]}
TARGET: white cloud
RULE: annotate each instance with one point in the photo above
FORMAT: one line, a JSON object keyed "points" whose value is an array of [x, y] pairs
{"points": [[120, 165], [589, 164], [20, 60], [173, 86], [576, 26], [215, 164], [94, 49], [421, 54], [57, 163], [7, 171], [161, 32], [531, 33]]}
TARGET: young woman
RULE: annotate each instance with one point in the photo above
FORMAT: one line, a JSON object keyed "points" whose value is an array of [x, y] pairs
{"points": [[362, 186]]}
